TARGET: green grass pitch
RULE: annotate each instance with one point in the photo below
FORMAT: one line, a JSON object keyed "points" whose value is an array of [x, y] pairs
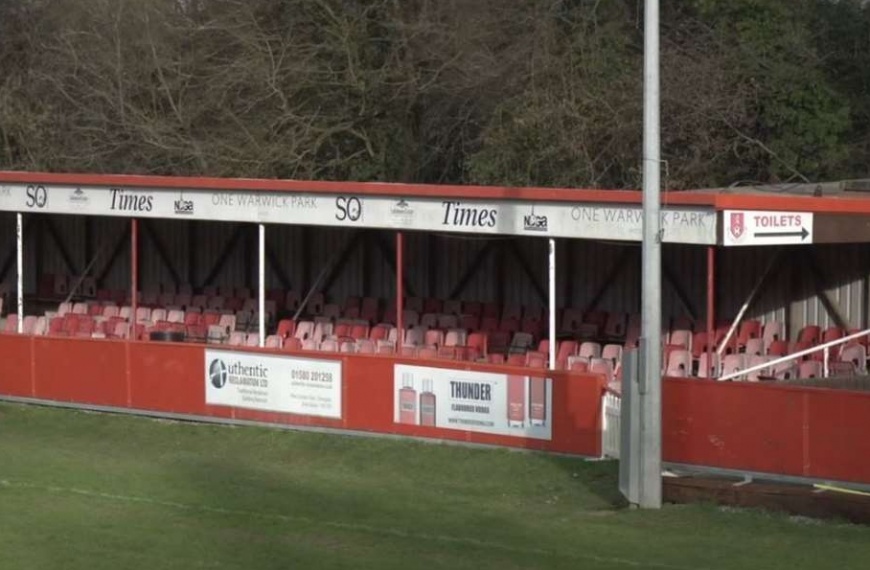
{"points": [[86, 490]]}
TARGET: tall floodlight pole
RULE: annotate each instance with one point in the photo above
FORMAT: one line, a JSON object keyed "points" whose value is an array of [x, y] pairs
{"points": [[651, 348]]}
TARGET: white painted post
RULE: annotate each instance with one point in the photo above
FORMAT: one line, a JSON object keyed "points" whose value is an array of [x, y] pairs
{"points": [[826, 366], [552, 303], [19, 254], [261, 284]]}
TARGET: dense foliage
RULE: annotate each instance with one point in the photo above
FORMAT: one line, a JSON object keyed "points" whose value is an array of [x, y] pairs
{"points": [[521, 92]]}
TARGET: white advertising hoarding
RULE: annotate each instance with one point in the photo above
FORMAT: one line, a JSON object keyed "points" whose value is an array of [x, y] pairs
{"points": [[756, 227], [498, 404], [304, 386], [623, 222]]}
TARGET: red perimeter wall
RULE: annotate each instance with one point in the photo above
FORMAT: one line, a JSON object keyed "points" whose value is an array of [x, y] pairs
{"points": [[808, 432], [169, 378]]}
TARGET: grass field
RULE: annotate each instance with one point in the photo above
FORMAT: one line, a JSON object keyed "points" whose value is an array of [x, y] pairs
{"points": [[81, 490]]}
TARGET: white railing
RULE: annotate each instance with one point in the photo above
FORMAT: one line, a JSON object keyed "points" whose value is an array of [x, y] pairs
{"points": [[801, 353], [611, 404]]}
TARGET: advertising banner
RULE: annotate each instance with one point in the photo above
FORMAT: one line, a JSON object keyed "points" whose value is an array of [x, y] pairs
{"points": [[498, 404], [501, 217], [304, 386]]}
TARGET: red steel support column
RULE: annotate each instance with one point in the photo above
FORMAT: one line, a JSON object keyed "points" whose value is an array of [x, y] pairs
{"points": [[134, 273], [400, 291], [711, 307]]}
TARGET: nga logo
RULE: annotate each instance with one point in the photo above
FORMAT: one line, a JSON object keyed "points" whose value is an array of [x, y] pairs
{"points": [[535, 223], [217, 373], [183, 207]]}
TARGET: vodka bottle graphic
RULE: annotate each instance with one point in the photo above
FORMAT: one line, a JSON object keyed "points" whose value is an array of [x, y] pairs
{"points": [[407, 400], [427, 404], [538, 401], [516, 395]]}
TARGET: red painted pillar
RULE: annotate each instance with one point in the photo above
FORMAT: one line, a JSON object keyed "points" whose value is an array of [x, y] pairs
{"points": [[711, 298], [134, 273], [400, 291]]}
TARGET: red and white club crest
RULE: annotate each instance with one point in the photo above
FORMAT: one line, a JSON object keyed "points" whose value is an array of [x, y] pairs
{"points": [[737, 226]]}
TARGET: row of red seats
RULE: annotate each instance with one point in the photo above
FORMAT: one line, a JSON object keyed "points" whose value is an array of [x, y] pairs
{"points": [[753, 337], [465, 353]]}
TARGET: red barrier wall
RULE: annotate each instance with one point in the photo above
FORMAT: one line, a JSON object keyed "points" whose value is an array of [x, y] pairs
{"points": [[16, 365], [80, 370], [169, 378], [808, 432], [756, 427]]}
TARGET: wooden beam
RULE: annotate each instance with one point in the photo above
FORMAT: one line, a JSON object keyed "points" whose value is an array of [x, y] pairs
{"points": [[514, 248], [61, 246], [119, 247], [225, 253], [432, 259], [277, 268], [10, 260], [389, 252], [472, 269], [192, 243], [617, 267], [353, 242], [162, 252], [671, 278]]}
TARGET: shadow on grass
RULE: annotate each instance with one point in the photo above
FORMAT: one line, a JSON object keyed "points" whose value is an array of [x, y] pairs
{"points": [[304, 496], [599, 478]]}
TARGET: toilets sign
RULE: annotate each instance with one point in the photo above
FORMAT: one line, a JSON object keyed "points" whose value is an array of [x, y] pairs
{"points": [[754, 227]]}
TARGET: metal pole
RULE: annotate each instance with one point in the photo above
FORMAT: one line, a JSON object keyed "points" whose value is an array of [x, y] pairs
{"points": [[19, 255], [711, 307], [261, 284], [134, 275], [552, 303], [400, 291], [650, 388]]}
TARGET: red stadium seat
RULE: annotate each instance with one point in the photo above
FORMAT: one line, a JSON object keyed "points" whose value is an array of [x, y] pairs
{"points": [[495, 358], [613, 353], [448, 353], [678, 363], [427, 352], [535, 359], [489, 324], [452, 307], [777, 348], [590, 350], [473, 308], [491, 310], [733, 363], [750, 329], [810, 334], [615, 328], [754, 346], [434, 338], [601, 366], [681, 338], [578, 364], [810, 369], [708, 368], [516, 360]]}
